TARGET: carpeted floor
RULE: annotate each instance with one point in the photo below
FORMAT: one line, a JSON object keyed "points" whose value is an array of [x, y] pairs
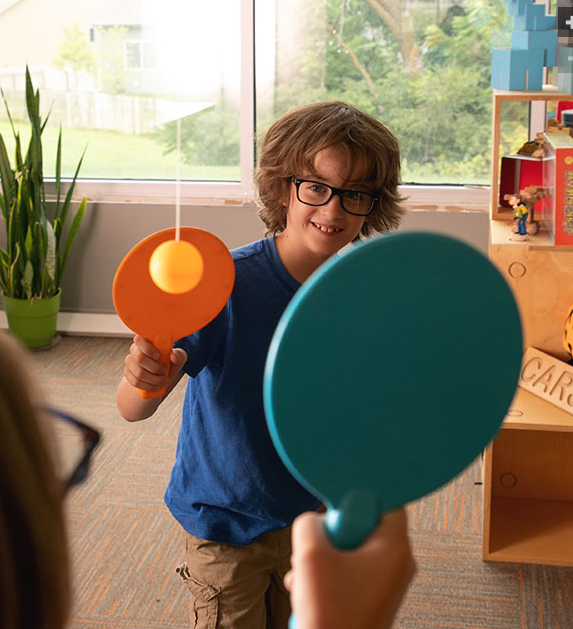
{"points": [[125, 545]]}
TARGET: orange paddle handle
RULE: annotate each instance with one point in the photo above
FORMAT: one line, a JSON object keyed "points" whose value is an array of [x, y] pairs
{"points": [[164, 344]]}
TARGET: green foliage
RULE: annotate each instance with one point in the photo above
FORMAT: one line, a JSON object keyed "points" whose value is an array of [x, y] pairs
{"points": [[75, 51], [112, 71], [37, 250], [442, 111], [209, 138], [440, 108], [359, 46]]}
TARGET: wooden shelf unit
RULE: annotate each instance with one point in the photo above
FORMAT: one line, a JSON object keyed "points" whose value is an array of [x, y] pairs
{"points": [[528, 468], [528, 486], [499, 97]]}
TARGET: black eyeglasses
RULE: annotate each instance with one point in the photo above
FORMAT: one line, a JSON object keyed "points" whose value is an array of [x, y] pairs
{"points": [[316, 193], [75, 443]]}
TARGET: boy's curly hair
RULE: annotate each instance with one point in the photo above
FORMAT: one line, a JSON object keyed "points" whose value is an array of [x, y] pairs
{"points": [[292, 142]]}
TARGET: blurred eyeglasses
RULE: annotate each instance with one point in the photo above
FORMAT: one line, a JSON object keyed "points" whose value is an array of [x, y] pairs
{"points": [[75, 443]]}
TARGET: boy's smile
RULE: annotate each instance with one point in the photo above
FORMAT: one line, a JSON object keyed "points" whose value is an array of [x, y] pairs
{"points": [[314, 233], [327, 230]]}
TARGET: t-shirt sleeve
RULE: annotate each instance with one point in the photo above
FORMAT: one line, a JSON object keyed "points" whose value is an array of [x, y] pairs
{"points": [[206, 345]]}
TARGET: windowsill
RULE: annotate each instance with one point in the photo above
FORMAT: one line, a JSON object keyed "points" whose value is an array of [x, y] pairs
{"points": [[85, 324], [447, 198], [156, 192], [422, 198]]}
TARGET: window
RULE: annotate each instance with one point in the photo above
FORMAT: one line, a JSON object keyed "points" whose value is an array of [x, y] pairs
{"points": [[140, 55], [133, 56], [422, 66], [119, 75]]}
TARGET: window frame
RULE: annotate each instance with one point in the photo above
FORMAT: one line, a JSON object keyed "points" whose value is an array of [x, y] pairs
{"points": [[243, 191]]}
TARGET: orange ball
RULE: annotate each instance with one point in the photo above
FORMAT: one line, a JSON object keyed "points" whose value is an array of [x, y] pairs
{"points": [[176, 266]]}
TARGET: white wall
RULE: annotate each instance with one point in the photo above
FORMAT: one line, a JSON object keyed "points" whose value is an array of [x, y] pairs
{"points": [[110, 230]]}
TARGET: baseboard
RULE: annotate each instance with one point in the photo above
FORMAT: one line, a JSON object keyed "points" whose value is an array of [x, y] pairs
{"points": [[85, 324]]}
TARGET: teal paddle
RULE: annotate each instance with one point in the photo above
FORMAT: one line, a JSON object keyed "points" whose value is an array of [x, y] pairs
{"points": [[390, 370]]}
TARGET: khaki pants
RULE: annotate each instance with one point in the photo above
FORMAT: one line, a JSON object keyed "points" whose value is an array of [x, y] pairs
{"points": [[238, 587]]}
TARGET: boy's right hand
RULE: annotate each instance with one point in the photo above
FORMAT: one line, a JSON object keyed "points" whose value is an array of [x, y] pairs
{"points": [[144, 371]]}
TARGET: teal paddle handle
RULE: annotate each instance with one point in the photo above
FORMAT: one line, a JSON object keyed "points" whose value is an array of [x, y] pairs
{"points": [[349, 525], [356, 517]]}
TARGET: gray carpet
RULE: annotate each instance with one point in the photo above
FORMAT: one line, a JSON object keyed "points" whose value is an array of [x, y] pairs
{"points": [[125, 545]]}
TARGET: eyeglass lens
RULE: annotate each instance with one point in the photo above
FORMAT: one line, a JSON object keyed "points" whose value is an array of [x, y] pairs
{"points": [[353, 201]]}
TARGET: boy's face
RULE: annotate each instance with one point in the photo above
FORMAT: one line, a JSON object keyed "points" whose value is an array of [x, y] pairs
{"points": [[320, 231]]}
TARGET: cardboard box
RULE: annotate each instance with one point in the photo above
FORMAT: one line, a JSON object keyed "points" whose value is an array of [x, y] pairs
{"points": [[558, 177]]}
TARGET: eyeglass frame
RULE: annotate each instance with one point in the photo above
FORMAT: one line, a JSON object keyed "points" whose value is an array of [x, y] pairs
{"points": [[339, 192], [90, 437]]}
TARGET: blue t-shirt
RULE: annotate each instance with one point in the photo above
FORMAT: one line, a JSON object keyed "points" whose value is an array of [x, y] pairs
{"points": [[228, 484]]}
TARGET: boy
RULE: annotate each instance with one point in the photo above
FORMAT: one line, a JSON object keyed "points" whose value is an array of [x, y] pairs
{"points": [[328, 174]]}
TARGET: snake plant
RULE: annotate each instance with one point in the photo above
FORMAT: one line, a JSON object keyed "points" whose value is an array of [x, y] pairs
{"points": [[39, 235]]}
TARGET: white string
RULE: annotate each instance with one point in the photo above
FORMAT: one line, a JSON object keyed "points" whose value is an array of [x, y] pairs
{"points": [[178, 182]]}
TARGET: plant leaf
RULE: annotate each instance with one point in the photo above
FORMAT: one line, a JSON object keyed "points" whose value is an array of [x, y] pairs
{"points": [[7, 178], [74, 228], [50, 253], [18, 154], [34, 156], [4, 264], [27, 279], [47, 116], [68, 199], [12, 290], [58, 173], [31, 254], [57, 229], [8, 113]]}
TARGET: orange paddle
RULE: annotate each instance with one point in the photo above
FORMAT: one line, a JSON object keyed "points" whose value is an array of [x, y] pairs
{"points": [[162, 317]]}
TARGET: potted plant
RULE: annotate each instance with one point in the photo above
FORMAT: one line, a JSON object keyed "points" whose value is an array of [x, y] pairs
{"points": [[39, 238]]}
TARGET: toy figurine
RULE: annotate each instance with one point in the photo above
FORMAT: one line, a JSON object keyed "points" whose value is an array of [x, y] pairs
{"points": [[520, 212], [523, 204]]}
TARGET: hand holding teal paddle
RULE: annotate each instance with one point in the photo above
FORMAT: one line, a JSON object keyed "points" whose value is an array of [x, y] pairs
{"points": [[390, 371]]}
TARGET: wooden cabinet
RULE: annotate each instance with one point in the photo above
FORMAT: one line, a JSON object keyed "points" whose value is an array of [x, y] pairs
{"points": [[528, 486], [528, 471]]}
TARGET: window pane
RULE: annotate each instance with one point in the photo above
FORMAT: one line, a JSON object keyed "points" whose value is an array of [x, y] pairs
{"points": [[117, 74], [133, 54], [421, 66]]}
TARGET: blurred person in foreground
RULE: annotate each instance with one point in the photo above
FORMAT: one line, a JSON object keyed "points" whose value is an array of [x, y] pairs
{"points": [[328, 587], [34, 569], [43, 452]]}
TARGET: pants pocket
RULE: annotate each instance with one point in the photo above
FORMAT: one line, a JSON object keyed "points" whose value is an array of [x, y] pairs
{"points": [[204, 599]]}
